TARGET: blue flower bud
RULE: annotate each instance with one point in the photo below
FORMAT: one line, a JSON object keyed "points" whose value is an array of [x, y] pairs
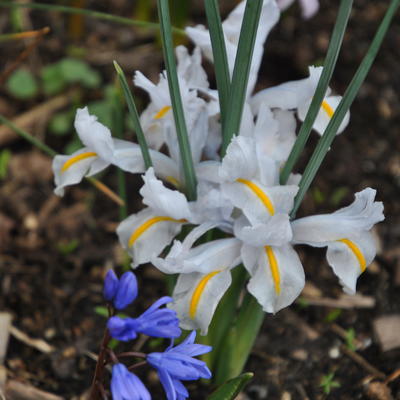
{"points": [[127, 291], [110, 285]]}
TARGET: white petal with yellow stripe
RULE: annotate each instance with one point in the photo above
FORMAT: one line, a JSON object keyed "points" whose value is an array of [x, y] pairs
{"points": [[277, 276], [349, 221], [349, 257], [70, 170], [325, 114], [196, 296], [259, 203], [145, 235], [204, 258]]}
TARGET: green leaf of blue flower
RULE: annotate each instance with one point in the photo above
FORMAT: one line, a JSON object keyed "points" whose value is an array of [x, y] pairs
{"points": [[230, 389], [22, 84]]}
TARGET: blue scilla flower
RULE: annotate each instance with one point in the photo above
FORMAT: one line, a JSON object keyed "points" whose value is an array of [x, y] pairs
{"points": [[177, 364], [122, 291], [154, 322], [127, 386]]}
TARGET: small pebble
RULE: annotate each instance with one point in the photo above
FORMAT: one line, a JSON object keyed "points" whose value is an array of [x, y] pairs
{"points": [[334, 352]]}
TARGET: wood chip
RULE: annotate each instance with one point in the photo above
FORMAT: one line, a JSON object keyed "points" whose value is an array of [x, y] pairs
{"points": [[386, 330], [5, 324], [38, 344], [378, 391], [20, 391]]}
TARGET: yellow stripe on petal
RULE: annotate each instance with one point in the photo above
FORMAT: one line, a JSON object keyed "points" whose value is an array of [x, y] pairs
{"points": [[327, 108], [273, 265], [162, 112], [198, 291], [357, 252], [149, 223], [260, 194], [173, 181], [79, 157]]}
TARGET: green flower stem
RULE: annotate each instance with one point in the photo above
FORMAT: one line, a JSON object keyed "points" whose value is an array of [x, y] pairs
{"points": [[330, 132], [89, 13], [329, 66], [176, 99], [135, 116], [240, 76]]}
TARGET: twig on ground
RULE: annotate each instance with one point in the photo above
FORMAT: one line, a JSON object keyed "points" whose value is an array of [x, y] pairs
{"points": [[6, 73], [38, 344]]}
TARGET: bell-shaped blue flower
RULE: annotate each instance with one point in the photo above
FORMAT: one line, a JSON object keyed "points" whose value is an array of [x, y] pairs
{"points": [[153, 322], [127, 386], [177, 363], [110, 285]]}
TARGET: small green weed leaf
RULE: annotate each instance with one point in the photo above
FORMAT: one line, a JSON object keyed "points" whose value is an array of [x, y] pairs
{"points": [[338, 195], [22, 84], [68, 247], [5, 156], [351, 339], [60, 124], [52, 79], [74, 70], [103, 111], [328, 383], [230, 389], [333, 315]]}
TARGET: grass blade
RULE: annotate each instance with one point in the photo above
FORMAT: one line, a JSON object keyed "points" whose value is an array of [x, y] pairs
{"points": [[176, 99], [28, 137], [348, 98], [240, 76], [219, 54], [118, 124], [329, 66], [89, 13], [134, 115]]}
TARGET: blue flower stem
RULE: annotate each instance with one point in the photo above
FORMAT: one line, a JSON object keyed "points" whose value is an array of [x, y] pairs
{"points": [[100, 367]]}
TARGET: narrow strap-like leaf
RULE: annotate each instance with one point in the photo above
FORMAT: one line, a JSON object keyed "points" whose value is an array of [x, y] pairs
{"points": [[239, 341], [329, 66], [231, 389], [89, 13], [134, 115], [240, 76], [176, 99], [348, 98], [219, 54]]}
